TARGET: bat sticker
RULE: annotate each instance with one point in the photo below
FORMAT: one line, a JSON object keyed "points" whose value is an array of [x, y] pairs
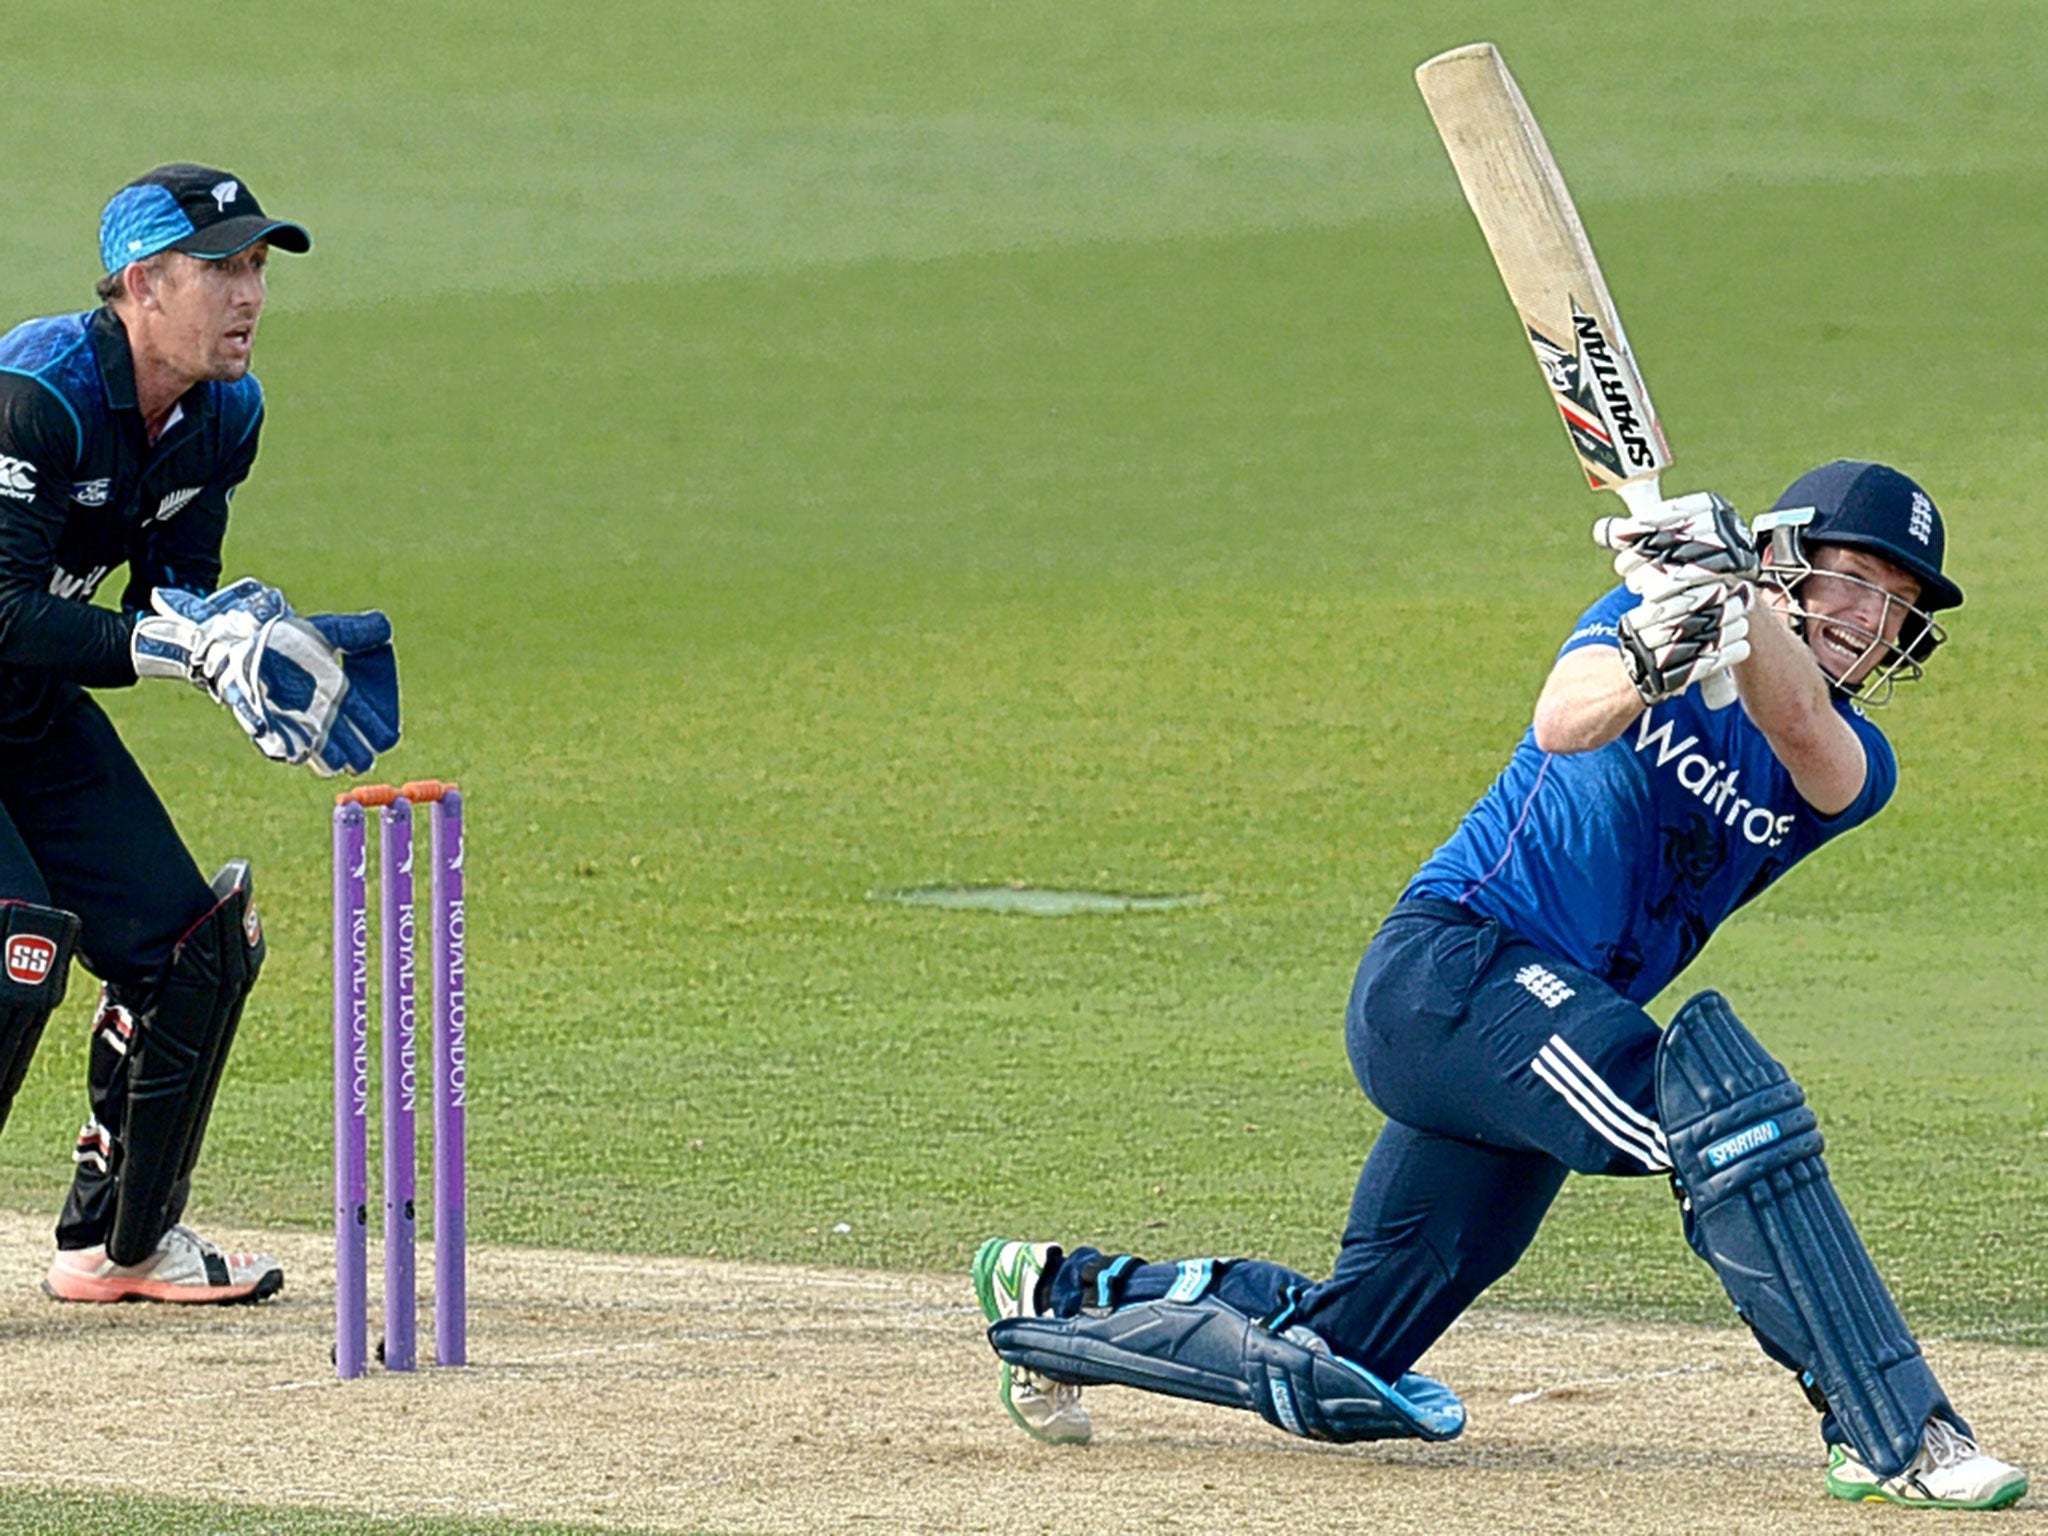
{"points": [[1604, 416]]}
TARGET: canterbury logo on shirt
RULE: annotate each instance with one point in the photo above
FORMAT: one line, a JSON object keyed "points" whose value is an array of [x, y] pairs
{"points": [[1713, 783], [17, 479]]}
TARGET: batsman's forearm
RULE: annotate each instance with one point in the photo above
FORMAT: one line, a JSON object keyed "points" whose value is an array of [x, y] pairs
{"points": [[1781, 685], [1785, 694], [1587, 701]]}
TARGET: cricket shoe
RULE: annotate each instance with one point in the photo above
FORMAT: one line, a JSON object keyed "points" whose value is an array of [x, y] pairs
{"points": [[1006, 1280], [185, 1268], [1949, 1473]]}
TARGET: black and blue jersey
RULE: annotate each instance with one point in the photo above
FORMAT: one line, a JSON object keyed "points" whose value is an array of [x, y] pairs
{"points": [[83, 492]]}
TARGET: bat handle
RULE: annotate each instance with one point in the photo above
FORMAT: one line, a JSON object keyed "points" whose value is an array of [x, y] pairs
{"points": [[1644, 499]]}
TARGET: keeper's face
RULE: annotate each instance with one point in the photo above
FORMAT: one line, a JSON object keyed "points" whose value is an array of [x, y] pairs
{"points": [[1856, 603], [201, 315]]}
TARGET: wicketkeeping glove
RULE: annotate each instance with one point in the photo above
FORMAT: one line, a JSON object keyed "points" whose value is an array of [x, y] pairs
{"points": [[1696, 538], [367, 722], [321, 690], [189, 636], [1681, 631]]}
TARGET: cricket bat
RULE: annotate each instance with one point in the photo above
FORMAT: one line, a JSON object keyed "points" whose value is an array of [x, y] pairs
{"points": [[1553, 279]]}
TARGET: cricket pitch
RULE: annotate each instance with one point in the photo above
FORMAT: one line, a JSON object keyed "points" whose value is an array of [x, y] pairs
{"points": [[679, 1395]]}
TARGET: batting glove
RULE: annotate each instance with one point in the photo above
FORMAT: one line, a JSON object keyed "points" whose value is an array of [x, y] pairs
{"points": [[1696, 538], [1681, 631]]}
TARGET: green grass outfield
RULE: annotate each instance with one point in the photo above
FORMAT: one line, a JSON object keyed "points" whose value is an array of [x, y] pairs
{"points": [[810, 449]]}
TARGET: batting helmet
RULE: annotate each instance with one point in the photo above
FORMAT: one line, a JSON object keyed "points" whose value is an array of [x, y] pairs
{"points": [[1871, 507]]}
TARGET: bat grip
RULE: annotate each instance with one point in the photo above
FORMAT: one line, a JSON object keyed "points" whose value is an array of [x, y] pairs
{"points": [[1644, 499]]}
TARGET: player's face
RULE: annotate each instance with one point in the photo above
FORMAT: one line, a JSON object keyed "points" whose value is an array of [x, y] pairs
{"points": [[206, 312], [1856, 603]]}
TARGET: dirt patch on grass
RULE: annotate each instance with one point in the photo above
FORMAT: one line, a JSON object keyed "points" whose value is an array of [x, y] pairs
{"points": [[677, 1395]]}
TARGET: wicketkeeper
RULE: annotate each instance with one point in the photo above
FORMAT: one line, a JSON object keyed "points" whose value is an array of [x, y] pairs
{"points": [[1498, 1021], [124, 431]]}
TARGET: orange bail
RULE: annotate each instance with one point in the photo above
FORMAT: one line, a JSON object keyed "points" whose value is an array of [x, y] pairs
{"points": [[418, 791]]}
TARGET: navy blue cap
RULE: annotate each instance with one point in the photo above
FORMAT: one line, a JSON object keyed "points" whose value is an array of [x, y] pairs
{"points": [[191, 208], [1874, 507]]}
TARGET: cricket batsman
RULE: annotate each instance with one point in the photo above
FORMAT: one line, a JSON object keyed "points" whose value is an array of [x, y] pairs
{"points": [[1497, 1021], [124, 432]]}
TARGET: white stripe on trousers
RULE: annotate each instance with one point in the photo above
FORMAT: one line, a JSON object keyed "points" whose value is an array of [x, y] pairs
{"points": [[1615, 1101], [1619, 1123]]}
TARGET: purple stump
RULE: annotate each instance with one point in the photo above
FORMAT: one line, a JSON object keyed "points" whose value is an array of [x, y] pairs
{"points": [[351, 1093], [401, 1084], [451, 1086]]}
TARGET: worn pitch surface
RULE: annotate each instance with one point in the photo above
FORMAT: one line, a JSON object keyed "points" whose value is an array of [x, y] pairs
{"points": [[676, 1394]]}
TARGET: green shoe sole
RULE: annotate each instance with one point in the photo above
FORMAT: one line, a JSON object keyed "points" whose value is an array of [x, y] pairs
{"points": [[1864, 1493]]}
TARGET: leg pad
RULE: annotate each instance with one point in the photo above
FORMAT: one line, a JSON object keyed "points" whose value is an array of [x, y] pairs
{"points": [[1760, 1209], [1210, 1353], [175, 1063], [36, 945]]}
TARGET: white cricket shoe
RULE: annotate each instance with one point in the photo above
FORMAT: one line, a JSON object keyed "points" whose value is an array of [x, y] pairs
{"points": [[1006, 1276], [1949, 1473], [185, 1268]]}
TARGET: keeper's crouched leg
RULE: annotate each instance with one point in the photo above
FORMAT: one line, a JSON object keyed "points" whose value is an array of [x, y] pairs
{"points": [[1211, 1353], [36, 944], [157, 1056], [158, 1052]]}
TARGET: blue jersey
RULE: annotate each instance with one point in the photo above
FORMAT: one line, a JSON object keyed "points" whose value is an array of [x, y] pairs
{"points": [[1624, 860]]}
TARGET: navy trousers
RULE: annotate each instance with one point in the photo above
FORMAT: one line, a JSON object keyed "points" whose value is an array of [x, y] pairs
{"points": [[81, 829], [1500, 1068]]}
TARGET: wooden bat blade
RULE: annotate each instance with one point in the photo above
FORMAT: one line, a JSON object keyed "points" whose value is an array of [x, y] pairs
{"points": [[1539, 244]]}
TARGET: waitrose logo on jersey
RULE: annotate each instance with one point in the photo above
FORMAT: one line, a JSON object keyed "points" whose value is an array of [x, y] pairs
{"points": [[1711, 782]]}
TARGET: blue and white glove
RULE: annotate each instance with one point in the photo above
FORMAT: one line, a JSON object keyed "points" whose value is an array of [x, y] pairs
{"points": [[321, 691], [190, 637], [248, 596], [366, 722], [209, 641]]}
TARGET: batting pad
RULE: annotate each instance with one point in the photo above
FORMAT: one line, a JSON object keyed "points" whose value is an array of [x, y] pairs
{"points": [[1211, 1353], [1745, 1151]]}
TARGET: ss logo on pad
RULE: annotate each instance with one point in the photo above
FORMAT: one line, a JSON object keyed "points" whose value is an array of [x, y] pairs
{"points": [[29, 958]]}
